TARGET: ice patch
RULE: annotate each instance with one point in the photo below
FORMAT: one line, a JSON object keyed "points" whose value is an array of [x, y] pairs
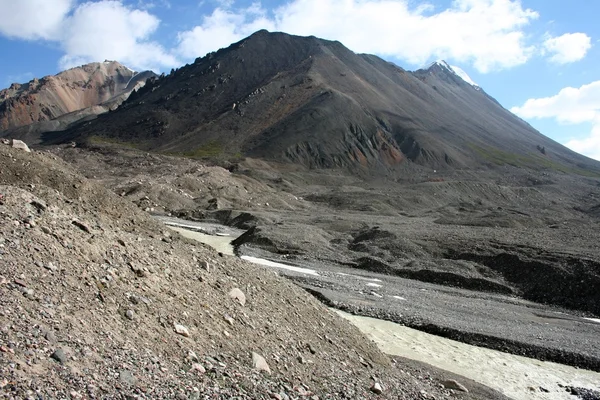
{"points": [[373, 285], [268, 263]]}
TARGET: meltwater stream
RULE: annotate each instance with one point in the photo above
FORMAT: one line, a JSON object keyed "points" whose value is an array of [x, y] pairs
{"points": [[517, 377]]}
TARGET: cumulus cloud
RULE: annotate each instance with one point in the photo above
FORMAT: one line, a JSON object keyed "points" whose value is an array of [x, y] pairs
{"points": [[486, 33], [33, 19], [222, 28], [570, 106], [90, 31], [109, 30], [568, 48]]}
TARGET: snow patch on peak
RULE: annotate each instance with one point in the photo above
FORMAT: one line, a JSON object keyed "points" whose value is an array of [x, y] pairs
{"points": [[455, 70], [463, 75]]}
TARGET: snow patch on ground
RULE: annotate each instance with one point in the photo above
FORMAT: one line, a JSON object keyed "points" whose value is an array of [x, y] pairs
{"points": [[373, 284], [268, 263], [596, 320], [399, 297]]}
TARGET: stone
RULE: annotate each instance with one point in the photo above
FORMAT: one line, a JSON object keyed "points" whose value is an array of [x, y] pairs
{"points": [[238, 295], [127, 377], [182, 330], [50, 267], [59, 355], [229, 319], [376, 388], [50, 337], [130, 314], [192, 356], [198, 368], [19, 144], [204, 265], [259, 363], [452, 384]]}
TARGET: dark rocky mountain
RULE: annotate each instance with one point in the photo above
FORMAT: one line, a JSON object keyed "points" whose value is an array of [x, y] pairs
{"points": [[314, 102], [54, 102]]}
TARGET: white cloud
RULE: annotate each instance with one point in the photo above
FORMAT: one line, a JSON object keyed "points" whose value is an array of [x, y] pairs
{"points": [[570, 106], [568, 48], [109, 30], [220, 29], [91, 31], [33, 19], [486, 33]]}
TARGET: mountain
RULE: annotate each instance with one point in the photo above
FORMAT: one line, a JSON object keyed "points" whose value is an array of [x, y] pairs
{"points": [[53, 102], [314, 102]]}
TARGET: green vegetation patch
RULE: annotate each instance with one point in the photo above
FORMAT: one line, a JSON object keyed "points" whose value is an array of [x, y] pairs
{"points": [[209, 150]]}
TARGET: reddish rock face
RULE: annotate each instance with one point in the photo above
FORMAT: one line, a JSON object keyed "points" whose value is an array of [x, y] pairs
{"points": [[52, 96]]}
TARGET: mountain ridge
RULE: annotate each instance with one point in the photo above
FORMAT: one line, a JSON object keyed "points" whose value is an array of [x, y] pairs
{"points": [[313, 102], [54, 101]]}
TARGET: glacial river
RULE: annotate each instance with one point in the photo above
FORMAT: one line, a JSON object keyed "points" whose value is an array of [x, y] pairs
{"points": [[517, 377]]}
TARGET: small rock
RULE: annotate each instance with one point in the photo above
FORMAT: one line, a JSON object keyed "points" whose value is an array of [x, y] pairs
{"points": [[127, 377], [19, 144], [452, 384], [198, 368], [376, 388], [182, 330], [205, 265], [50, 267], [130, 314], [50, 337], [20, 282], [238, 295], [229, 319], [275, 396], [192, 356], [81, 226], [259, 363], [59, 355]]}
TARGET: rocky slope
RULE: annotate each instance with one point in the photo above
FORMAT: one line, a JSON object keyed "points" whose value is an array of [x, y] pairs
{"points": [[99, 301], [53, 102], [313, 102]]}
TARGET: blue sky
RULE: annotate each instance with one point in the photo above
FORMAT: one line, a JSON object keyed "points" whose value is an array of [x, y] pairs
{"points": [[538, 58]]}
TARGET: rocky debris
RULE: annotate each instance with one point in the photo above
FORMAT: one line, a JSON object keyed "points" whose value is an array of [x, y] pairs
{"points": [[259, 363], [455, 385], [583, 393], [238, 295], [81, 305], [19, 144]]}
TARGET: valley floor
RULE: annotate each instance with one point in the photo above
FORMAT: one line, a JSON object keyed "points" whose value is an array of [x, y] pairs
{"points": [[488, 320]]}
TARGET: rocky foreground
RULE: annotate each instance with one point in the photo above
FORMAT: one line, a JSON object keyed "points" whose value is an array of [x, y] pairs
{"points": [[99, 301]]}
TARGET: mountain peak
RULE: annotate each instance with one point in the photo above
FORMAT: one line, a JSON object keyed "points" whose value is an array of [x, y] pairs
{"points": [[444, 66]]}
